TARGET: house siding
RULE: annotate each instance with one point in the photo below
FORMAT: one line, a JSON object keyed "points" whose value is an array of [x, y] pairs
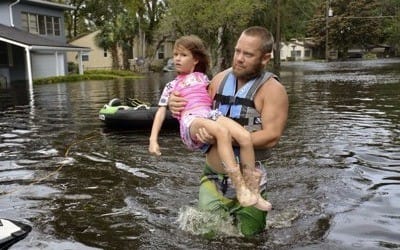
{"points": [[97, 60], [19, 8], [5, 14]]}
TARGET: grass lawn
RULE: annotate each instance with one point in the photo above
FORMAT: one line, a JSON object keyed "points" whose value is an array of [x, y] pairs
{"points": [[89, 75]]}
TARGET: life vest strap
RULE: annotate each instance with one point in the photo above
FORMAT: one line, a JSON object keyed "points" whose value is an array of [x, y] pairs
{"points": [[246, 121], [232, 100]]}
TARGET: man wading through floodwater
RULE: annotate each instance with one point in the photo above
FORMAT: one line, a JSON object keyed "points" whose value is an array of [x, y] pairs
{"points": [[257, 100]]}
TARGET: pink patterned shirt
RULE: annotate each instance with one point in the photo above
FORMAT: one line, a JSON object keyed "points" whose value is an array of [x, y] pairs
{"points": [[192, 87]]}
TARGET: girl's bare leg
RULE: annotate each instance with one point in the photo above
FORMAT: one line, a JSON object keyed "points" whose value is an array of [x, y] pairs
{"points": [[251, 175], [224, 147]]}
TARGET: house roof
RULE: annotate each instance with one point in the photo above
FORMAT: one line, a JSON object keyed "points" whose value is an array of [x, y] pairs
{"points": [[36, 42], [49, 4]]}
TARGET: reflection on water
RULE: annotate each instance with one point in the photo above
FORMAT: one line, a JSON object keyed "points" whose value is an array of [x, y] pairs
{"points": [[333, 179]]}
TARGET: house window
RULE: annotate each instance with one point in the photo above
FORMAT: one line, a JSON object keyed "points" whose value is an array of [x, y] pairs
{"points": [[33, 24], [5, 54], [307, 53], [85, 57], [24, 21], [295, 53], [105, 53], [56, 22], [40, 24], [160, 52], [49, 25]]}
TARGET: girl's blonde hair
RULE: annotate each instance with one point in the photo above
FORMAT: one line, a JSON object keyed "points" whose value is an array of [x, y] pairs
{"points": [[199, 51]]}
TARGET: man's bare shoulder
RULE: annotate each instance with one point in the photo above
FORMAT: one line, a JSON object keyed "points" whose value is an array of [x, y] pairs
{"points": [[272, 84], [216, 81], [271, 91], [219, 76]]}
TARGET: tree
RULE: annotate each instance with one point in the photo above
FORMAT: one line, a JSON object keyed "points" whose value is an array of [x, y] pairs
{"points": [[295, 15], [355, 23], [74, 19], [391, 9], [278, 17], [116, 31], [218, 23]]}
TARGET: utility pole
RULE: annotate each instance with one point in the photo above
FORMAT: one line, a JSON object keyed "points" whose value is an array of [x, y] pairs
{"points": [[328, 13], [277, 50]]}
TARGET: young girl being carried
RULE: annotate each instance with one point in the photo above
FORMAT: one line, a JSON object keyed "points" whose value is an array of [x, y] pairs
{"points": [[191, 62]]}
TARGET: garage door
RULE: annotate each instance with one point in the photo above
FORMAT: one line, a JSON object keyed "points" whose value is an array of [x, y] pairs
{"points": [[46, 65]]}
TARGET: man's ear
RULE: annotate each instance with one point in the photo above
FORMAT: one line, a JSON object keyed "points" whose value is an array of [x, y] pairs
{"points": [[265, 58]]}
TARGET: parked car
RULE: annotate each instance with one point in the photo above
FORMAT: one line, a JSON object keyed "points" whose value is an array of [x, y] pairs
{"points": [[169, 66]]}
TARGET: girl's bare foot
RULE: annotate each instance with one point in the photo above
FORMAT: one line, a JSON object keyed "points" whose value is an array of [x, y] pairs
{"points": [[252, 177]]}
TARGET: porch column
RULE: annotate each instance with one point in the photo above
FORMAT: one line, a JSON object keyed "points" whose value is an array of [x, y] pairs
{"points": [[80, 63], [57, 64], [30, 81], [29, 68]]}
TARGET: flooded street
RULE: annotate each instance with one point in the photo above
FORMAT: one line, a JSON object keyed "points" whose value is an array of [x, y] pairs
{"points": [[334, 179]]}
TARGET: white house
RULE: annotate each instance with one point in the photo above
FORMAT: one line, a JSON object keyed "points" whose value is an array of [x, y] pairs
{"points": [[297, 49]]}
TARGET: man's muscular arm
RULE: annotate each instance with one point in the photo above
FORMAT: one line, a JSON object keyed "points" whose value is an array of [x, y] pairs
{"points": [[272, 103], [176, 103]]}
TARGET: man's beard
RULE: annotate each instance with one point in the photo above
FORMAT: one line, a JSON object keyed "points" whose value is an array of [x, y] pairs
{"points": [[250, 73]]}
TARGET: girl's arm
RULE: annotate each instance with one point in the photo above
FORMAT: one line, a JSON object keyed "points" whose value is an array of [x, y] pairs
{"points": [[159, 118]]}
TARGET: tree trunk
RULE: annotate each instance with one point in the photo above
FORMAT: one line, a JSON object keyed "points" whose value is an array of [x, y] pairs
{"points": [[115, 56], [277, 47], [220, 57]]}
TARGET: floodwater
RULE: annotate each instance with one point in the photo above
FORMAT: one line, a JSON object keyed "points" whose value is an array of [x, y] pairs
{"points": [[334, 179]]}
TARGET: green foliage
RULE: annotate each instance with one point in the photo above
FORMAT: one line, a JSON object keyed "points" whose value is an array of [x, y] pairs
{"points": [[219, 23], [355, 24], [119, 23], [206, 18], [392, 25], [73, 68], [295, 15]]}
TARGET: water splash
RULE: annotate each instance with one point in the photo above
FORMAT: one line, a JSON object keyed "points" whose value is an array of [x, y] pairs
{"points": [[206, 223]]}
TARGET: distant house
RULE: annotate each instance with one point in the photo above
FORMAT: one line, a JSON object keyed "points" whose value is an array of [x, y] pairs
{"points": [[162, 54], [382, 50], [99, 58], [297, 50], [96, 58], [32, 40]]}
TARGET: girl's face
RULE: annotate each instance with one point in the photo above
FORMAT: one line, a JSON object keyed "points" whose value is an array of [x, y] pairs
{"points": [[184, 60]]}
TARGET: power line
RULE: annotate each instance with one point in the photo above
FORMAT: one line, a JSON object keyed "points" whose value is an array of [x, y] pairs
{"points": [[365, 17], [350, 17]]}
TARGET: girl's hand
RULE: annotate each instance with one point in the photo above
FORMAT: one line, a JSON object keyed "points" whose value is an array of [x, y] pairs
{"points": [[204, 137]]}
